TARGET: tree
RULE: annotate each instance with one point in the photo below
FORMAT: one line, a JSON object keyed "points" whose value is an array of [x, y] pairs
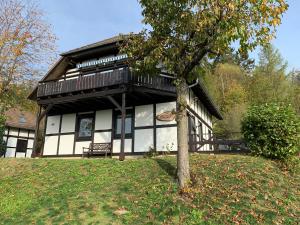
{"points": [[27, 43], [269, 82], [182, 33], [234, 58], [294, 78], [226, 83], [16, 96]]}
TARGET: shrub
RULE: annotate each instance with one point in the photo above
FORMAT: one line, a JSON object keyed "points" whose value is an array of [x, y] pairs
{"points": [[272, 131], [151, 153]]}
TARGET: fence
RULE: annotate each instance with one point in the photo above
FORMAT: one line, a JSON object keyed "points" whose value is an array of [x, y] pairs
{"points": [[219, 144]]}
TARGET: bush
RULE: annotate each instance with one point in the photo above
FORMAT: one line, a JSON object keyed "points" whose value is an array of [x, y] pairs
{"points": [[272, 131]]}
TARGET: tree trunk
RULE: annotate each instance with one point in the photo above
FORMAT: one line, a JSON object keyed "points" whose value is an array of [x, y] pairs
{"points": [[183, 167]]}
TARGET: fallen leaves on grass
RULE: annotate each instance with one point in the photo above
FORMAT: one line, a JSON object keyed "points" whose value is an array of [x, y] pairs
{"points": [[121, 211]]}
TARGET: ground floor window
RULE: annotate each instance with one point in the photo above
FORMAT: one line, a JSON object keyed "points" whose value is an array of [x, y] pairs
{"points": [[210, 138], [21, 145], [118, 124], [84, 126], [192, 137], [200, 131]]}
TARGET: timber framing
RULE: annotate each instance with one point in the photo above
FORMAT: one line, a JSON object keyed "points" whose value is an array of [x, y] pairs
{"points": [[79, 84], [18, 136], [129, 109]]}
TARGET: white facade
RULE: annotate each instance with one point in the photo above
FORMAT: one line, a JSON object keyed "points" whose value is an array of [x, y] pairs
{"points": [[147, 132], [202, 118]]}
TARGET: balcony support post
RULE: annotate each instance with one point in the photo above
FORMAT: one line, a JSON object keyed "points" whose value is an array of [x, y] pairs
{"points": [[39, 117], [123, 118], [37, 126], [114, 102]]}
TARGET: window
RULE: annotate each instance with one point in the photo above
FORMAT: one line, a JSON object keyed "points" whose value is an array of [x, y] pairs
{"points": [[21, 145], [85, 127], [118, 124], [210, 138], [200, 131], [22, 119], [192, 132]]}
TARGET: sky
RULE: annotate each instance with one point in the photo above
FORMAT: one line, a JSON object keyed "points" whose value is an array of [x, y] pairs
{"points": [[80, 22]]}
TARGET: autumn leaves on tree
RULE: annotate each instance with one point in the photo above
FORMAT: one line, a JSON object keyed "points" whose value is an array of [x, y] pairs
{"points": [[27, 44], [183, 33]]}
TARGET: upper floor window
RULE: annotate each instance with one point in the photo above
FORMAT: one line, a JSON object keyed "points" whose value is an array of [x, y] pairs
{"points": [[22, 119]]}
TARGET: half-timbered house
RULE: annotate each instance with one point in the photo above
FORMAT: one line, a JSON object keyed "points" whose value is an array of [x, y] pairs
{"points": [[91, 96], [19, 133]]}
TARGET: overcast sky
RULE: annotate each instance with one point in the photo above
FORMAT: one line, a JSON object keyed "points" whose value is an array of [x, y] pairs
{"points": [[80, 22]]}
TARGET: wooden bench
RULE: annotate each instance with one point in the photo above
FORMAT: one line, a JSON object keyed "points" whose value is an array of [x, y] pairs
{"points": [[97, 149]]}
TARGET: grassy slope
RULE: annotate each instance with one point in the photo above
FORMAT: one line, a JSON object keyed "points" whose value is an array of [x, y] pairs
{"points": [[226, 189]]}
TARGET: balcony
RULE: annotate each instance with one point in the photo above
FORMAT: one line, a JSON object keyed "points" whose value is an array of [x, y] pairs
{"points": [[96, 81]]}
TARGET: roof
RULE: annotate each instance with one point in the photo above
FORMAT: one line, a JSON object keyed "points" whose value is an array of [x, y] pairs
{"points": [[56, 70], [20, 119], [98, 44]]}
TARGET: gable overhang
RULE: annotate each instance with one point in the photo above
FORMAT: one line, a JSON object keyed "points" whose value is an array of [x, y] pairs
{"points": [[56, 70]]}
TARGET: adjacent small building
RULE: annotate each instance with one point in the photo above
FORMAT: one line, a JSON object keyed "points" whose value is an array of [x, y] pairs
{"points": [[19, 133], [91, 96]]}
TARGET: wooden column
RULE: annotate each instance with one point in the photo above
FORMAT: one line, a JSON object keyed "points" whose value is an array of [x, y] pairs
{"points": [[123, 118], [37, 126], [39, 117]]}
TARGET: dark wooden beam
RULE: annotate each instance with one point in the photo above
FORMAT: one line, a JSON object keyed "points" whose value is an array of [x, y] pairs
{"points": [[115, 102], [147, 96], [39, 117], [133, 96], [99, 100], [49, 107], [37, 126], [155, 91], [77, 97], [123, 118]]}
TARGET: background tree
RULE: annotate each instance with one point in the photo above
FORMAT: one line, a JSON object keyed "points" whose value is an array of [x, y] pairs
{"points": [[226, 83], [235, 88], [184, 32], [269, 82], [16, 96], [234, 58], [294, 79], [27, 43]]}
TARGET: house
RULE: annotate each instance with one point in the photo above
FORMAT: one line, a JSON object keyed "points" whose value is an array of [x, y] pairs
{"points": [[91, 96], [19, 133]]}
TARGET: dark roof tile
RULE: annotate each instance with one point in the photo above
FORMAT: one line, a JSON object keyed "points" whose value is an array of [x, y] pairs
{"points": [[108, 41]]}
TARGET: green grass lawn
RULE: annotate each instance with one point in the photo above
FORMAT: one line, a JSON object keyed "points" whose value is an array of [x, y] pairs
{"points": [[225, 190]]}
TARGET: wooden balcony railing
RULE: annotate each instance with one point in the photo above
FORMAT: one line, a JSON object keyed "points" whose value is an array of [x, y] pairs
{"points": [[100, 80]]}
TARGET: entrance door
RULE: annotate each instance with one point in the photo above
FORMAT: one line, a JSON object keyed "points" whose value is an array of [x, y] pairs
{"points": [[192, 132], [21, 146]]}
